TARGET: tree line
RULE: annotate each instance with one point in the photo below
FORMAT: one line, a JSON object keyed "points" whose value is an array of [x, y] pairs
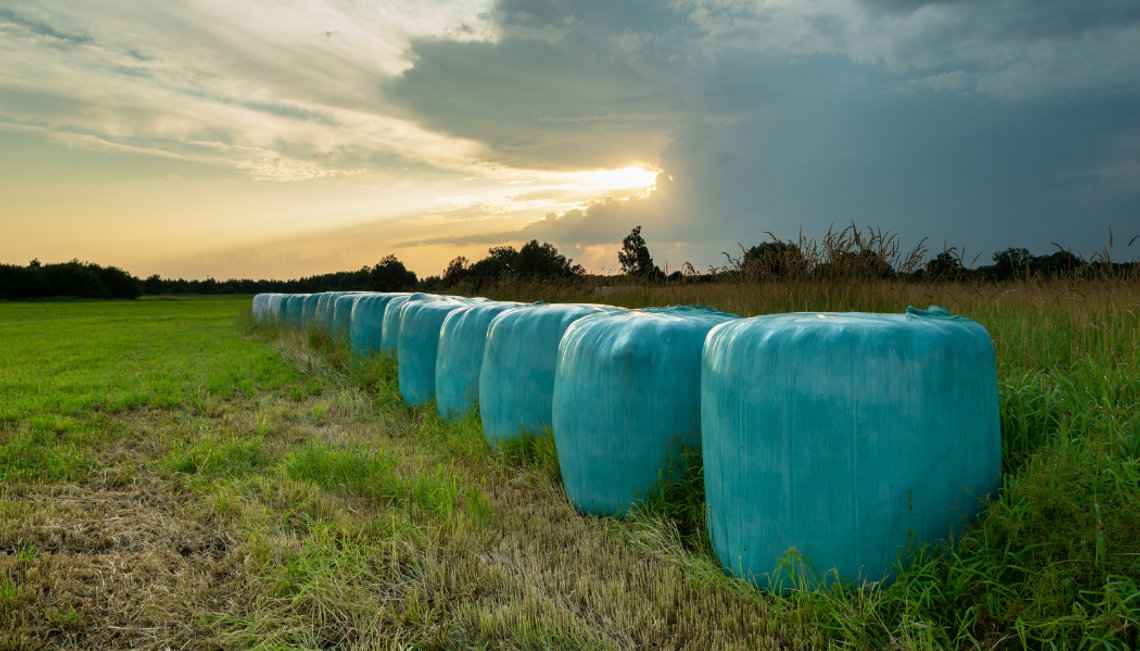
{"points": [[74, 278], [847, 254]]}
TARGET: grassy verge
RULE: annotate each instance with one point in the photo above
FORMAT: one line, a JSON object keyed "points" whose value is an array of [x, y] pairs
{"points": [[270, 496], [169, 479]]}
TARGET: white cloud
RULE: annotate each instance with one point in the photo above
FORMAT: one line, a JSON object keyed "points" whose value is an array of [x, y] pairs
{"points": [[1125, 173], [260, 76]]}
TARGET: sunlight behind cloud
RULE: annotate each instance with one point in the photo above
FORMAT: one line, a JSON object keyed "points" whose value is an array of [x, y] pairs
{"points": [[626, 177]]}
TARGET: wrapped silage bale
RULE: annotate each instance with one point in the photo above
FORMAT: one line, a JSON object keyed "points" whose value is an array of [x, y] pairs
{"points": [[391, 335], [626, 389], [418, 343], [516, 382], [327, 311], [273, 308], [309, 311], [322, 309], [841, 434], [461, 340], [295, 311], [277, 309], [366, 330], [259, 308], [268, 308], [342, 313], [281, 313]]}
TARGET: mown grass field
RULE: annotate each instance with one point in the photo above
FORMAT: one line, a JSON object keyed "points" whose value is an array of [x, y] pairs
{"points": [[173, 476]]}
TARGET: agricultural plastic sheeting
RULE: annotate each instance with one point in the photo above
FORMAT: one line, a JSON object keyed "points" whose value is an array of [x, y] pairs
{"points": [[516, 383], [309, 311], [366, 330], [391, 336], [461, 341], [327, 311], [259, 307], [296, 310], [840, 434], [418, 344], [322, 309], [342, 313], [277, 309], [268, 308], [626, 395], [280, 314], [271, 311]]}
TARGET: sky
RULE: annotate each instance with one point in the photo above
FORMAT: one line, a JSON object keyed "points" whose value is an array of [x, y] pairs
{"points": [[277, 139]]}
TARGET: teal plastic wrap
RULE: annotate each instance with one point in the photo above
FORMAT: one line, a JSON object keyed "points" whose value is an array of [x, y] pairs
{"points": [[516, 382], [841, 434], [324, 310], [320, 312], [309, 311], [342, 313], [418, 344], [391, 335], [327, 311], [366, 330], [281, 314], [295, 311], [461, 340], [272, 308], [626, 389], [260, 307]]}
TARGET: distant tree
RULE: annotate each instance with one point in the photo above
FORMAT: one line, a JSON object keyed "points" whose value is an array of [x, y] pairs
{"points": [[431, 284], [772, 258], [500, 262], [850, 264], [456, 271], [209, 286], [1011, 262], [118, 283], [153, 284], [390, 275], [544, 261], [634, 255], [945, 265], [1058, 264], [35, 263], [872, 264]]}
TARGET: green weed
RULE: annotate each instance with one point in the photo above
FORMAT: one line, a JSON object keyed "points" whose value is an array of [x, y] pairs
{"points": [[30, 458], [352, 470], [218, 456], [532, 451]]}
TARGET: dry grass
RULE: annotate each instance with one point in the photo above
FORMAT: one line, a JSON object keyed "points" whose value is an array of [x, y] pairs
{"points": [[319, 511], [331, 518]]}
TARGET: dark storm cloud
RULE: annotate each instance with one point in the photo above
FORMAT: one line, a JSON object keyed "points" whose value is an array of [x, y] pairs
{"points": [[989, 124], [1029, 18], [569, 85]]}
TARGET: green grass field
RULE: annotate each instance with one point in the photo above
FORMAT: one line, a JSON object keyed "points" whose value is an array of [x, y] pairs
{"points": [[173, 476]]}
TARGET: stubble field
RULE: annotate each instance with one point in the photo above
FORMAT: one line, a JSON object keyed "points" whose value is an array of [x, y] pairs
{"points": [[172, 475]]}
